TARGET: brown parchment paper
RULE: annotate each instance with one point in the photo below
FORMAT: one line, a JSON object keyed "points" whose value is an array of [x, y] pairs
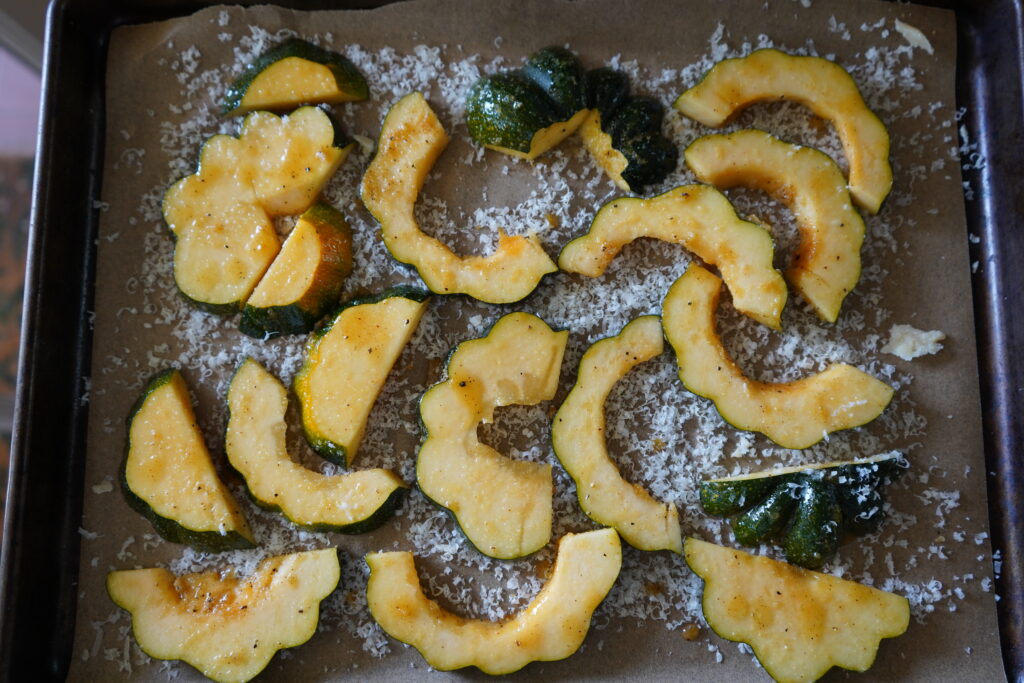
{"points": [[927, 285]]}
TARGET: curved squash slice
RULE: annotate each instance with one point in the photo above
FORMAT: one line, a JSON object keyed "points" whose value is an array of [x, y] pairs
{"points": [[701, 219], [799, 623], [305, 279], [293, 73], [793, 414], [350, 503], [823, 86], [410, 142], [826, 266], [227, 627], [168, 476], [577, 434], [551, 627], [502, 505], [347, 362]]}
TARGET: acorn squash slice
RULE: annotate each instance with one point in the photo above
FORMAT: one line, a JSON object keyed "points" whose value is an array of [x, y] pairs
{"points": [[551, 627], [799, 623], [305, 279], [410, 142], [351, 503], [702, 220], [792, 414], [347, 362], [226, 626], [502, 505], [823, 86], [168, 475], [578, 437], [826, 265], [293, 73], [221, 215]]}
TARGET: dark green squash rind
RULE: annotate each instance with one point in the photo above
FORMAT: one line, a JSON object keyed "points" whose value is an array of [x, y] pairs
{"points": [[767, 518], [813, 532], [506, 110], [559, 74], [607, 89], [729, 497]]}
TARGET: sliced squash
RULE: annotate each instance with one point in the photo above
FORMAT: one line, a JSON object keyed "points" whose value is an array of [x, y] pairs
{"points": [[502, 505], [792, 414], [799, 623], [227, 626], [551, 627], [823, 86], [701, 219], [351, 503], [292, 73], [410, 142], [168, 475], [578, 437], [305, 279], [347, 362], [826, 265]]}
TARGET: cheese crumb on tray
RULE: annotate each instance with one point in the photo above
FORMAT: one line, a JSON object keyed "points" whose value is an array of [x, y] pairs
{"points": [[908, 342]]}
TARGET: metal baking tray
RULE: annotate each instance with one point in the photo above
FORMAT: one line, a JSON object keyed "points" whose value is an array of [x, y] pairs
{"points": [[40, 552]]}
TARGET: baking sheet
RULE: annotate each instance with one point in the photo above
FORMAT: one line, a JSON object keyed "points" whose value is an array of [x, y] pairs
{"points": [[916, 264]]}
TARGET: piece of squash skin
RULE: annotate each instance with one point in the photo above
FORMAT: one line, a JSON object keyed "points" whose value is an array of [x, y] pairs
{"points": [[703, 221], [578, 438], [793, 414], [552, 627], [410, 142], [823, 86], [826, 266]]}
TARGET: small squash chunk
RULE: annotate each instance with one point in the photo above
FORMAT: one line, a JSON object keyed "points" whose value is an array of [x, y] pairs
{"points": [[293, 73], [826, 266], [305, 279], [502, 505], [823, 86], [347, 362], [410, 142], [792, 414], [551, 627], [799, 623], [577, 434], [702, 220], [351, 503], [559, 74], [168, 475], [228, 627]]}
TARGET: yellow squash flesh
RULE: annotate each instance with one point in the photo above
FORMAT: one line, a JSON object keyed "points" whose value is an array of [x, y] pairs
{"points": [[292, 81]]}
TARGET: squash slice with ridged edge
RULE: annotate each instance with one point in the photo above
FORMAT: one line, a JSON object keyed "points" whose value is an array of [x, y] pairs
{"points": [[551, 627], [221, 215], [351, 503], [578, 437], [228, 627], [347, 362], [292, 73], [799, 623], [702, 220], [823, 86], [305, 279], [826, 266], [792, 414], [502, 505], [410, 142], [168, 475]]}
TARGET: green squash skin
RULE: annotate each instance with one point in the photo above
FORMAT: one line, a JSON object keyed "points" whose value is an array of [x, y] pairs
{"points": [[636, 115], [765, 519], [345, 72], [651, 158], [813, 532], [729, 497], [559, 74], [607, 89], [506, 110], [861, 517]]}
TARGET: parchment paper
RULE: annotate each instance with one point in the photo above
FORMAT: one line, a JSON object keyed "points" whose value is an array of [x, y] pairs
{"points": [[916, 272]]}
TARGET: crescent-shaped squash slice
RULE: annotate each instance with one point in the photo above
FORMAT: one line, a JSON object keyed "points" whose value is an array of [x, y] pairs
{"points": [[577, 434], [502, 505], [551, 627], [799, 623], [226, 626], [826, 265], [701, 219], [351, 503], [410, 142], [823, 86], [793, 414]]}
